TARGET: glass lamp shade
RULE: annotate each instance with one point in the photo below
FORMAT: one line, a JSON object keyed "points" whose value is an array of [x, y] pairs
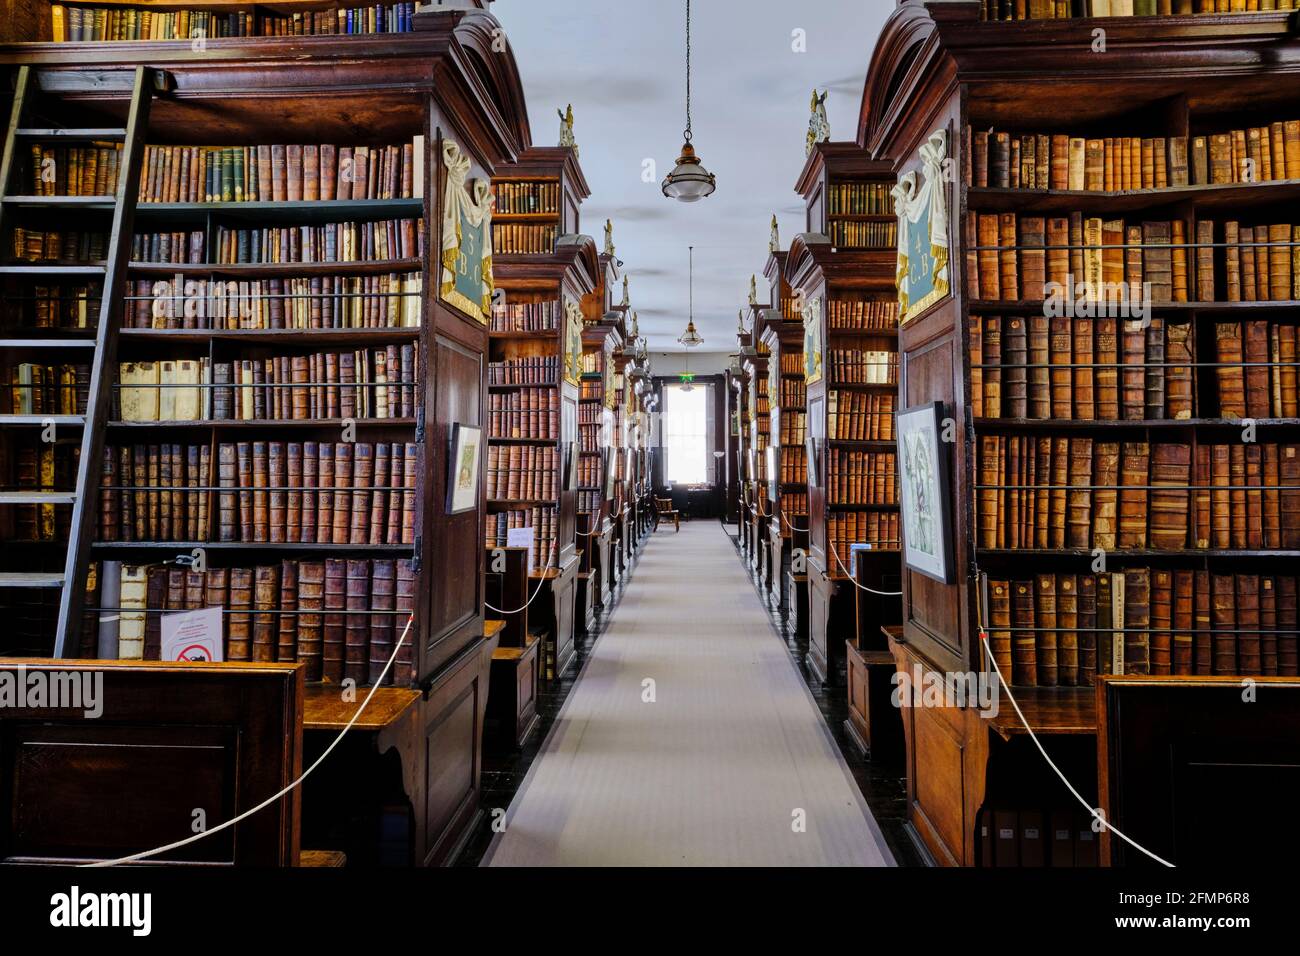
{"points": [[690, 338], [689, 181]]}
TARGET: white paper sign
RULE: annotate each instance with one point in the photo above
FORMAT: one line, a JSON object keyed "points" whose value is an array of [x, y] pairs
{"points": [[192, 635], [521, 538]]}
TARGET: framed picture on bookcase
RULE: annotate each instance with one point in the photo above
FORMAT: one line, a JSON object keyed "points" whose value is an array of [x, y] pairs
{"points": [[812, 341], [571, 466], [611, 464], [463, 468], [921, 201], [926, 512], [467, 280], [773, 472], [810, 448]]}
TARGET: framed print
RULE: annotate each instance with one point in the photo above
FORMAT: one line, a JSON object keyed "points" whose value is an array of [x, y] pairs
{"points": [[810, 449], [812, 341], [611, 466], [466, 281], [773, 463], [923, 463], [571, 466], [921, 205], [572, 342], [463, 467]]}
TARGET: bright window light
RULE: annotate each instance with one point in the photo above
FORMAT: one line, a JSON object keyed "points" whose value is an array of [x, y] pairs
{"points": [[684, 426]]}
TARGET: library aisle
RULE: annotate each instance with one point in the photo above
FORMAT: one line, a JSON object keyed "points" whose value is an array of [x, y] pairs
{"points": [[723, 760]]}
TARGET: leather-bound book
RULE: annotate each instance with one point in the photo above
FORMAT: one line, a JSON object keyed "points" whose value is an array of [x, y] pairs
{"points": [[383, 584], [196, 585], [1081, 271], [1288, 397], [1067, 638], [1107, 358], [1105, 497], [286, 622], [1179, 345], [1000, 627], [1061, 347], [408, 494], [311, 602], [1039, 353], [239, 639], [1077, 163], [1178, 169], [1028, 162], [108, 496], [1085, 406], [1279, 262], [356, 665], [1094, 165], [1262, 264], [363, 465], [1041, 508], [334, 631], [266, 596], [1059, 480], [1133, 377], [1256, 354], [1289, 497], [379, 498], [1220, 159], [1247, 622], [1033, 259], [1270, 479], [1015, 354], [1268, 626], [1288, 647], [974, 258], [1045, 640], [244, 475], [342, 492], [1058, 253], [396, 479], [1009, 498], [1202, 478], [293, 476], [1224, 619], [403, 671], [1008, 273], [1024, 640], [1137, 620], [1154, 396], [261, 499], [1204, 260], [1162, 619], [216, 593], [1170, 502], [155, 600], [1087, 618], [1134, 459], [1246, 258], [1203, 623], [1231, 377], [1157, 260], [1000, 160], [1232, 261], [1220, 497], [991, 343], [1079, 505], [1254, 523]]}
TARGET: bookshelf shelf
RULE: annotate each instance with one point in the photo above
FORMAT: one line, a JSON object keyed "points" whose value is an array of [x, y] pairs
{"points": [[295, 424], [1130, 555], [1058, 424], [256, 270], [285, 547], [1206, 198], [370, 336], [1038, 306], [1050, 711]]}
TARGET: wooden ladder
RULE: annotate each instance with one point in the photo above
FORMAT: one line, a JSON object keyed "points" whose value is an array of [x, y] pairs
{"points": [[142, 83]]}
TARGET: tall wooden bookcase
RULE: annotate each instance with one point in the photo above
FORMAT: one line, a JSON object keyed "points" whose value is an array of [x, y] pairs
{"points": [[439, 85], [754, 359], [600, 339], [547, 262], [846, 287], [938, 68]]}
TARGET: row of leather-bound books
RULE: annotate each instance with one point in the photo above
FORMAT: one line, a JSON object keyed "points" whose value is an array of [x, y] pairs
{"points": [[281, 172], [1054, 629], [522, 472], [590, 500], [844, 528], [29, 464], [521, 197], [525, 317], [90, 170], [861, 477], [862, 366], [527, 370], [859, 199], [71, 22], [38, 389], [543, 519], [858, 416], [863, 235], [1066, 9], [590, 409], [377, 241], [591, 392], [59, 305], [513, 238], [340, 618], [1057, 492], [791, 363], [1034, 837], [1010, 257], [589, 437], [524, 413], [354, 493], [794, 427], [794, 503], [869, 315], [1125, 369], [364, 383], [58, 245], [1061, 161], [589, 472], [391, 300], [793, 393], [794, 465]]}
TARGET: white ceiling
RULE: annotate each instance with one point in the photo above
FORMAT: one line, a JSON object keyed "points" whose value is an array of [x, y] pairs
{"points": [[621, 63]]}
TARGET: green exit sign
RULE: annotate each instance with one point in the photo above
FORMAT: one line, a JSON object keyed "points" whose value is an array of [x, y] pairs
{"points": [[687, 378]]}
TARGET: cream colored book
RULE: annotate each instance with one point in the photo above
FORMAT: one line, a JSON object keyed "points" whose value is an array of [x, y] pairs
{"points": [[1077, 162], [1117, 621], [246, 406], [139, 401], [1092, 267], [130, 631], [167, 391], [186, 406], [417, 174]]}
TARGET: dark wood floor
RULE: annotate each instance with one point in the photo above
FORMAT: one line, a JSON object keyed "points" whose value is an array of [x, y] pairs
{"points": [[883, 787]]}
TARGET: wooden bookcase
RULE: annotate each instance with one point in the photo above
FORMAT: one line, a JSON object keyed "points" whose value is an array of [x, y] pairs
{"points": [[758, 439], [541, 263], [937, 67], [415, 88], [596, 421], [849, 309]]}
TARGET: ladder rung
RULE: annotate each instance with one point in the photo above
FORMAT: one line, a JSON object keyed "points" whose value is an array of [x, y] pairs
{"points": [[65, 202], [31, 579], [40, 420], [78, 269], [107, 132], [47, 343], [37, 497]]}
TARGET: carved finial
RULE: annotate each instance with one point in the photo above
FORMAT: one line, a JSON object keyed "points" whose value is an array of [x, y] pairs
{"points": [[819, 128], [774, 241], [609, 238], [626, 300], [753, 289], [740, 321]]}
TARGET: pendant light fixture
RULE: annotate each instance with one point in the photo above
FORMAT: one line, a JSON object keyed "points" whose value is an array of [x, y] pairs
{"points": [[690, 338], [689, 181]]}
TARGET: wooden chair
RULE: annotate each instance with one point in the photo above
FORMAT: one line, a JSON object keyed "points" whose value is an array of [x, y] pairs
{"points": [[664, 509]]}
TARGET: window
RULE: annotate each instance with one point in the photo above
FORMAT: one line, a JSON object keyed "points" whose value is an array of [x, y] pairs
{"points": [[684, 429]]}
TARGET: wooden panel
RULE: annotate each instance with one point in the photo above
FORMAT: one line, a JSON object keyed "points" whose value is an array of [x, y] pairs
{"points": [[939, 762]]}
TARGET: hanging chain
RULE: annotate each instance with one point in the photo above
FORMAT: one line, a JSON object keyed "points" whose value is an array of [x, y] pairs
{"points": [[688, 71], [690, 293]]}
